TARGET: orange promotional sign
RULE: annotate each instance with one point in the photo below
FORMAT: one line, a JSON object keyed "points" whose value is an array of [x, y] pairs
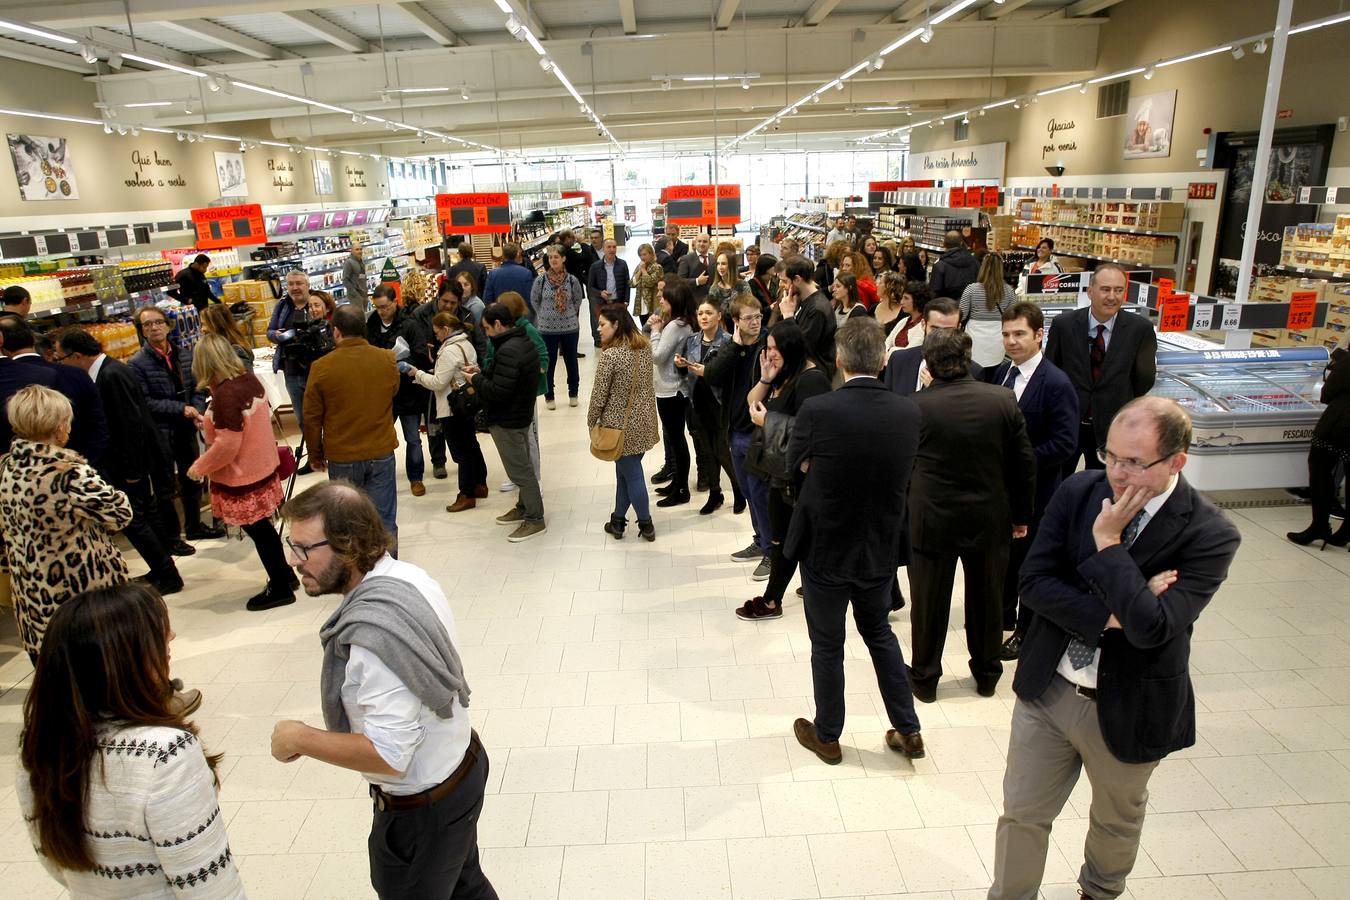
{"points": [[702, 204], [1174, 313], [229, 226], [478, 213], [1302, 310]]}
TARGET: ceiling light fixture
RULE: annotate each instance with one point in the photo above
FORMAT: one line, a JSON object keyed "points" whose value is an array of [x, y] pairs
{"points": [[135, 131], [513, 25], [927, 36], [180, 136], [213, 83], [1061, 88], [37, 32], [745, 84], [545, 63], [159, 64], [877, 63], [1116, 76], [107, 128], [1201, 55], [1320, 23], [1239, 52], [464, 93], [1260, 47], [147, 103], [88, 54], [1150, 72]]}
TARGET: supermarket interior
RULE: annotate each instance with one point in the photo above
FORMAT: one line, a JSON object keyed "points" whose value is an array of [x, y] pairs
{"points": [[637, 698]]}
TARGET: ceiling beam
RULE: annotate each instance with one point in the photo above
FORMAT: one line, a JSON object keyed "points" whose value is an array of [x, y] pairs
{"points": [[818, 11], [628, 13], [229, 38], [429, 24], [908, 11], [32, 53], [998, 11], [1089, 7], [726, 12], [115, 40], [327, 31]]}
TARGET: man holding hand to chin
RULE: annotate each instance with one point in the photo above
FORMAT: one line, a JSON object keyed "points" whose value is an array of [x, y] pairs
{"points": [[1125, 561]]}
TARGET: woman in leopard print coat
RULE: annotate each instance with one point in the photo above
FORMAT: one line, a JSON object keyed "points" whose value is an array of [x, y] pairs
{"points": [[57, 515]]}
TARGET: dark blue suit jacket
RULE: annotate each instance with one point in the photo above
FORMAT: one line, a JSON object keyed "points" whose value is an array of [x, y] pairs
{"points": [[595, 280], [1050, 406], [902, 370], [88, 428], [1145, 702]]}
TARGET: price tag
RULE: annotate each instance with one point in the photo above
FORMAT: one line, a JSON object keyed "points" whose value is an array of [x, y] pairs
{"points": [[1204, 317], [40, 243], [956, 198], [1166, 287], [1302, 309], [1232, 317], [1175, 312], [103, 240]]}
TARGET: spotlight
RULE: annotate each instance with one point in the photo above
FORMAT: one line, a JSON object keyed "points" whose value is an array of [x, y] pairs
{"points": [[1150, 72], [242, 147], [815, 98], [389, 126], [927, 35], [982, 112], [88, 53], [464, 93], [545, 63], [839, 86], [384, 96], [665, 85], [1238, 52], [122, 130], [181, 137], [1017, 104], [213, 83], [107, 129], [877, 63], [1083, 89], [513, 26], [745, 84], [910, 113], [965, 120], [135, 131], [356, 119], [932, 123], [187, 107], [1260, 47]]}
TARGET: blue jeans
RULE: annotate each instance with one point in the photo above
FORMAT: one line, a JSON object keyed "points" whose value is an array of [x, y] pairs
{"points": [[567, 343], [631, 489], [295, 388], [378, 478], [755, 490], [411, 423]]}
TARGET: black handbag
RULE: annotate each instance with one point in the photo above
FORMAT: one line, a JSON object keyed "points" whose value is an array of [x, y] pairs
{"points": [[767, 455]]}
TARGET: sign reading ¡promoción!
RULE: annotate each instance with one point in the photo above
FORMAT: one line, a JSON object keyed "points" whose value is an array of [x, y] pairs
{"points": [[473, 213], [703, 204], [983, 161], [229, 226]]}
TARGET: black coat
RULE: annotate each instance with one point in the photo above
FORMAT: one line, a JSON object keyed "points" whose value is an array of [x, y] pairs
{"points": [[134, 449], [1145, 702], [510, 382], [411, 397], [88, 427], [1333, 427], [1129, 371], [849, 526], [595, 281], [954, 271], [677, 251], [1050, 407], [578, 261], [733, 369], [902, 371], [815, 317], [974, 473], [194, 288]]}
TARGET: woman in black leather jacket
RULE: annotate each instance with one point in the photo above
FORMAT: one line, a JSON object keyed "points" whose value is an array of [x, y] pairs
{"points": [[1330, 445]]}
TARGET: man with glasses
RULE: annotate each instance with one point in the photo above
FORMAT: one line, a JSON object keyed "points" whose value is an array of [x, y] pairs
{"points": [[1125, 562], [1109, 354], [394, 698]]}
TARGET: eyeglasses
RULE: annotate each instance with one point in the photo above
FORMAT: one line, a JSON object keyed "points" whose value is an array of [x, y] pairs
{"points": [[154, 323], [748, 319], [1130, 466], [301, 551]]}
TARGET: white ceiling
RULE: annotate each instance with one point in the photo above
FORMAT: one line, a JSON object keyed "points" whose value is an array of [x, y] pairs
{"points": [[795, 45]]}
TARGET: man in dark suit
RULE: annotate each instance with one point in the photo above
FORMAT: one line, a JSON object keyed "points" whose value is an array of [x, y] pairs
{"points": [[1125, 562], [906, 373], [607, 282], [808, 306], [89, 427], [849, 534], [1110, 356], [661, 247], [678, 248], [1049, 404], [697, 267], [467, 263], [974, 480], [133, 452]]}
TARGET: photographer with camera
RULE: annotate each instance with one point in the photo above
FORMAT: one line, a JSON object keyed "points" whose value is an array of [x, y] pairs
{"points": [[384, 327], [293, 357]]}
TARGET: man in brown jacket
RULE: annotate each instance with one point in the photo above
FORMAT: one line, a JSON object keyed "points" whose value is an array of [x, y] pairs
{"points": [[349, 414]]}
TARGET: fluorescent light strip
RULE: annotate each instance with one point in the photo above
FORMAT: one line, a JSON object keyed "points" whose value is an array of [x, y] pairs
{"points": [[954, 115], [1008, 102], [419, 90], [147, 103], [854, 71], [1115, 76], [275, 144], [37, 32], [949, 12], [52, 116], [504, 6], [1061, 88], [163, 65], [533, 41], [1320, 23], [896, 45], [1201, 55]]}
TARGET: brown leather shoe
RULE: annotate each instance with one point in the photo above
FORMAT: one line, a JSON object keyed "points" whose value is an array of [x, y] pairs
{"points": [[461, 503], [909, 744], [480, 492], [185, 703], [828, 753], [418, 488]]}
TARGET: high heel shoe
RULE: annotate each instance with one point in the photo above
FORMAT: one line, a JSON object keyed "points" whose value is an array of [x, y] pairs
{"points": [[714, 503], [1317, 531]]}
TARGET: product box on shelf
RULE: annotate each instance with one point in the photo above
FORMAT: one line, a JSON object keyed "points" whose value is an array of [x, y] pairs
{"points": [[1281, 288], [247, 291]]}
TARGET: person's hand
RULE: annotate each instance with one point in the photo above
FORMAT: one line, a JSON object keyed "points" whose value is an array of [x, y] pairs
{"points": [[286, 739], [319, 465], [681, 362], [470, 369], [768, 369], [413, 371], [696, 368], [758, 413], [1115, 515], [787, 304], [654, 321], [925, 376], [702, 279], [1019, 531], [194, 473], [190, 413], [606, 295], [1159, 583]]}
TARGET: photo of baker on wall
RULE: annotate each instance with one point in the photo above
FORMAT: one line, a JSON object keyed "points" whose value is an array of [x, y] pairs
{"points": [[42, 167], [1148, 128]]}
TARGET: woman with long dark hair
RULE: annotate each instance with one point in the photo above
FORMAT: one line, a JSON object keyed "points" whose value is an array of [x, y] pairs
{"points": [[711, 446], [908, 330], [670, 329], [764, 284], [120, 798], [982, 306], [623, 398], [788, 377], [845, 299]]}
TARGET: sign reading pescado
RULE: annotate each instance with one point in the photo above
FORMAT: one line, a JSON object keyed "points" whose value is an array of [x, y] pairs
{"points": [[983, 161]]}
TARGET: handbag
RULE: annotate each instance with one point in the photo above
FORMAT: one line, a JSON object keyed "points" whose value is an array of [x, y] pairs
{"points": [[464, 400], [607, 443], [287, 464]]}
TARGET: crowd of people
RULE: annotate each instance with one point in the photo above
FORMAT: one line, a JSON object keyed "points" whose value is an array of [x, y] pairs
{"points": [[870, 413]]}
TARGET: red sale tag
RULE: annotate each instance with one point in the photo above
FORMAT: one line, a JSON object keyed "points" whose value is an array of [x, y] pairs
{"points": [[1302, 310], [1174, 313], [956, 198], [1166, 288]]}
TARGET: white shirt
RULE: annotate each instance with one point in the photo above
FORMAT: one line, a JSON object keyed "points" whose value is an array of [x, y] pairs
{"points": [[1024, 373], [1087, 676], [918, 379], [97, 367], [1093, 322], [408, 735]]}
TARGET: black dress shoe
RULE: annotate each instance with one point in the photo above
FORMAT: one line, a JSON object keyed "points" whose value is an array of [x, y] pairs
{"points": [[1011, 649], [166, 582], [305, 470], [987, 689], [181, 548], [669, 487], [664, 475], [204, 532], [702, 484], [925, 693], [676, 498], [270, 598], [738, 504]]}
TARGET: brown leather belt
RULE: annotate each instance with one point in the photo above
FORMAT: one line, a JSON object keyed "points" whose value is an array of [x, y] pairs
{"points": [[386, 801]]}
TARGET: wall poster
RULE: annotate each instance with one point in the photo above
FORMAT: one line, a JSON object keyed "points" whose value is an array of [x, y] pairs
{"points": [[1148, 125], [43, 167], [323, 177], [230, 174]]}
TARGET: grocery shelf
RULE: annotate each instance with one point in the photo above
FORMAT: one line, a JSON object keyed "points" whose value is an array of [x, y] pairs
{"points": [[1119, 262], [1315, 273], [1111, 228]]}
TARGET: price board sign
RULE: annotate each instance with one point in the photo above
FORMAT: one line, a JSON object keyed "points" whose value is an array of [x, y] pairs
{"points": [[473, 213], [1302, 309], [956, 198], [703, 204], [990, 196], [1232, 317], [229, 226], [1204, 317], [1174, 312]]}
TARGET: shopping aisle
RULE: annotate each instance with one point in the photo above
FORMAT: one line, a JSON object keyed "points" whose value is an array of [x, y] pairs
{"points": [[640, 734]]}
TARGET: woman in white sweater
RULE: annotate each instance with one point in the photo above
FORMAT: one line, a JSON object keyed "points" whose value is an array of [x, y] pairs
{"points": [[118, 794], [670, 328], [456, 352]]}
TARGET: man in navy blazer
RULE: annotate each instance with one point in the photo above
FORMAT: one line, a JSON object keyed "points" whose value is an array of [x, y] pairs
{"points": [[608, 279], [1050, 405], [89, 426], [848, 532], [906, 373], [1125, 562]]}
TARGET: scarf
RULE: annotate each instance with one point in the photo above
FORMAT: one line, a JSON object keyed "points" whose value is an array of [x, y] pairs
{"points": [[560, 295]]}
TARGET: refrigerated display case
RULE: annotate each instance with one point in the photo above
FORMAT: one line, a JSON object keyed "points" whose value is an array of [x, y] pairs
{"points": [[1253, 413]]}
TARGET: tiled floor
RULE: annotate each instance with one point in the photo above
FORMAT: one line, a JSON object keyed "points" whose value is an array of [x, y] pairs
{"points": [[640, 734]]}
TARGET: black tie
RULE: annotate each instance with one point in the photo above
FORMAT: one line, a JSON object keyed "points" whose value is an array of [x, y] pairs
{"points": [[1011, 381]]}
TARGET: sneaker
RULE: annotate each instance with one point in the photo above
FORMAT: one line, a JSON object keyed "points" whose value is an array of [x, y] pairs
{"points": [[511, 516], [438, 472], [749, 554], [507, 486], [571, 401], [418, 489], [525, 531], [758, 609], [762, 570], [551, 404]]}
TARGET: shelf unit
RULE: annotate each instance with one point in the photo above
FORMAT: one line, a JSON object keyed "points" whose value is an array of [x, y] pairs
{"points": [[1111, 228]]}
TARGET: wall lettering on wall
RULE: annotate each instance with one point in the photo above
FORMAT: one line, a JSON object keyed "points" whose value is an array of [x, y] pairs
{"points": [[356, 178], [984, 161], [282, 173], [1054, 128], [154, 163]]}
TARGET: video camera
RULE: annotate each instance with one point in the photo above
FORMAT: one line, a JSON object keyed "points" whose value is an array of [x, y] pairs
{"points": [[307, 342]]}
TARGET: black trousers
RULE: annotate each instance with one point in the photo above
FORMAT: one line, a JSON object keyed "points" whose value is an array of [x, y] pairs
{"points": [[462, 438], [931, 577], [1322, 462], [432, 851], [268, 544], [1087, 450], [436, 441], [144, 531], [827, 600], [781, 566], [671, 411], [712, 446], [183, 453], [1015, 619]]}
